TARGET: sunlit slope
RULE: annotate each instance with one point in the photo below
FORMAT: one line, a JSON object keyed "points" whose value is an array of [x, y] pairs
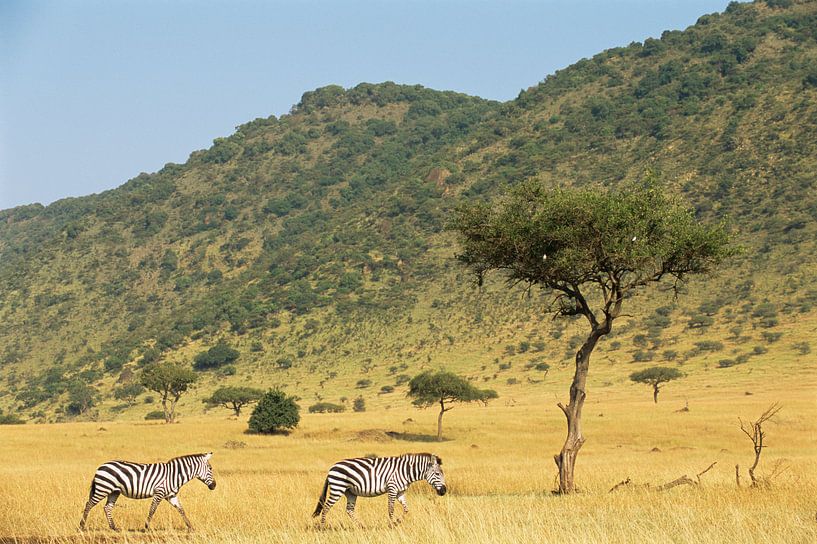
{"points": [[315, 243]]}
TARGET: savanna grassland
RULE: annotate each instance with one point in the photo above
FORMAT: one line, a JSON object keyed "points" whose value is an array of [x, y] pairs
{"points": [[498, 462]]}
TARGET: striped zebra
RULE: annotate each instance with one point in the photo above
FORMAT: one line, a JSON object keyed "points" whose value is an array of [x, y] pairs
{"points": [[144, 481], [370, 477]]}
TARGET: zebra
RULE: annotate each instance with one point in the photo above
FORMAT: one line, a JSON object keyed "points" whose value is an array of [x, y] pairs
{"points": [[143, 481], [370, 477]]}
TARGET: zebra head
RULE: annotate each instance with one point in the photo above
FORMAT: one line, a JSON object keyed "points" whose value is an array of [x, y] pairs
{"points": [[204, 471], [434, 475]]}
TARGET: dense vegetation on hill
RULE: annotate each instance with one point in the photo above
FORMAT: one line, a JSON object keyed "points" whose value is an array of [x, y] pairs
{"points": [[314, 244]]}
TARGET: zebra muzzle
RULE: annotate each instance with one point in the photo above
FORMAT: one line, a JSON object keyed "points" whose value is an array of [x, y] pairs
{"points": [[442, 491], [212, 486]]}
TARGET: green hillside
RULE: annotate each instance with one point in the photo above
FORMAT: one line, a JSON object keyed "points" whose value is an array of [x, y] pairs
{"points": [[315, 243]]}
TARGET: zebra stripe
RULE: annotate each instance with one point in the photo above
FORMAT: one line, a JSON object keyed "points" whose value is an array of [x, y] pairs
{"points": [[370, 477], [159, 481]]}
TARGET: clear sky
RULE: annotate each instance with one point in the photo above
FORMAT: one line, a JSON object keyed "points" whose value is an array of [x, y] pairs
{"points": [[94, 92]]}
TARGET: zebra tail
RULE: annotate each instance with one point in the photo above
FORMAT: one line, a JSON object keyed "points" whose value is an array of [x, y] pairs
{"points": [[322, 500]]}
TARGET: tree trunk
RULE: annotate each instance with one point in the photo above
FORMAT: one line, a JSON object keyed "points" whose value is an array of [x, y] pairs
{"points": [[168, 416], [173, 409], [655, 393], [566, 459], [440, 422]]}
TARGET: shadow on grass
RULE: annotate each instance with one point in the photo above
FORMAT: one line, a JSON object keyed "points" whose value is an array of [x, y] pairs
{"points": [[414, 437]]}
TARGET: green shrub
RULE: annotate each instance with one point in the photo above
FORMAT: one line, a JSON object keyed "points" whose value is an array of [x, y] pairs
{"points": [[155, 415], [386, 389], [275, 412], [326, 407], [359, 405], [11, 419], [219, 355], [771, 337], [709, 345], [363, 384]]}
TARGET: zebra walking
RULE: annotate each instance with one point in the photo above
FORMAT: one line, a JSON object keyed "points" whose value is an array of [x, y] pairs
{"points": [[370, 477], [160, 481]]}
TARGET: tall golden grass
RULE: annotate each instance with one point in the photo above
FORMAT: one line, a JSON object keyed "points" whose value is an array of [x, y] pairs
{"points": [[498, 462]]}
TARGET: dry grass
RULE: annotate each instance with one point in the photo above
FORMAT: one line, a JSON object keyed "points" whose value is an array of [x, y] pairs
{"points": [[498, 464]]}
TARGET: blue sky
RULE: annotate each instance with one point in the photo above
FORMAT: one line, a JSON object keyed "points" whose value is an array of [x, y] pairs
{"points": [[94, 92]]}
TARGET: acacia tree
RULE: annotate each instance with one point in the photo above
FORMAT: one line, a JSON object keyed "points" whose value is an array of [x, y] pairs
{"points": [[171, 381], [443, 388], [234, 398], [591, 248], [655, 376]]}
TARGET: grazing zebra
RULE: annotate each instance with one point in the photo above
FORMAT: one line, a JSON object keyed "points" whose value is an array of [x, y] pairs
{"points": [[370, 477], [143, 481]]}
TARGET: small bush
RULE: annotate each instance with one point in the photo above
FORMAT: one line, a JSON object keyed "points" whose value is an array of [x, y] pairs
{"points": [[155, 415], [363, 384], [359, 405], [543, 367], [219, 355], [275, 412], [803, 348], [642, 356], [387, 389], [759, 350], [326, 408], [726, 363], [771, 337], [11, 419], [284, 363], [709, 345], [401, 379]]}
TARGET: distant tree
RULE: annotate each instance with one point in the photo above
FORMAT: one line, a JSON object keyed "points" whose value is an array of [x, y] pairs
{"points": [[443, 388], [171, 381], [219, 355], [593, 249], [359, 405], [128, 392], [81, 398], [655, 376], [234, 398], [275, 412]]}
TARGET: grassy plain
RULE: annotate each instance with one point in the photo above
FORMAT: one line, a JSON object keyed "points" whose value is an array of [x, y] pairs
{"points": [[498, 462]]}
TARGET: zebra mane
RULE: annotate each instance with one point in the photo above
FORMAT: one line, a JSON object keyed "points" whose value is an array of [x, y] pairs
{"points": [[185, 457], [430, 457]]}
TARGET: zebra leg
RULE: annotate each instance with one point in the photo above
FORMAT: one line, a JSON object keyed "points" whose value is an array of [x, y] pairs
{"points": [[333, 495], [153, 506], [175, 502], [392, 496], [90, 504], [109, 509], [351, 499], [402, 498]]}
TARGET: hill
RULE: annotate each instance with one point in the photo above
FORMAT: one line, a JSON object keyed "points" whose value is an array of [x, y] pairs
{"points": [[314, 243]]}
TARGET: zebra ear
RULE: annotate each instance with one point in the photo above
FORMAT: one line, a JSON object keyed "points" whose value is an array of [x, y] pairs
{"points": [[439, 460]]}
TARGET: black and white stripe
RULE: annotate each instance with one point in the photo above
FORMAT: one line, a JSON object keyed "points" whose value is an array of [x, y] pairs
{"points": [[159, 481], [370, 477]]}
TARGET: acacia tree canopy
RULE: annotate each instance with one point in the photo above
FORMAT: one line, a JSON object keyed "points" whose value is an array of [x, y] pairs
{"points": [[431, 388], [592, 248], [171, 381], [234, 398], [655, 376], [443, 388]]}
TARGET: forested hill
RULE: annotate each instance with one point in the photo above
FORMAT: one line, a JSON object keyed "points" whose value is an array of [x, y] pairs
{"points": [[314, 243]]}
